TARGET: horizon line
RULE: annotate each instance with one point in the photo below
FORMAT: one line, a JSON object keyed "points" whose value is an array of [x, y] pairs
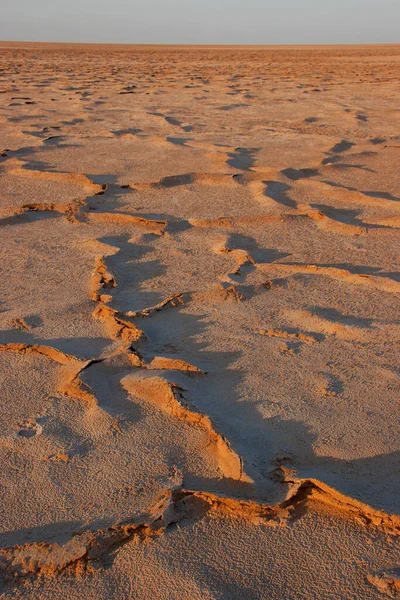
{"points": [[198, 45]]}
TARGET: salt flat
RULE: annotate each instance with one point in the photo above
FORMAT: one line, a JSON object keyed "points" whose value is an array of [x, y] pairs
{"points": [[199, 322]]}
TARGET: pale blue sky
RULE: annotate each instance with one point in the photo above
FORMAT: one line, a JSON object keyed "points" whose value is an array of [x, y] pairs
{"points": [[202, 21]]}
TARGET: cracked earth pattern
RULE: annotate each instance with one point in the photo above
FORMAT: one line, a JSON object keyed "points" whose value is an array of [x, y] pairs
{"points": [[199, 322]]}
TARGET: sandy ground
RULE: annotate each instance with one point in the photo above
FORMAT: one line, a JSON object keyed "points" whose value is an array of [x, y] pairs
{"points": [[199, 345]]}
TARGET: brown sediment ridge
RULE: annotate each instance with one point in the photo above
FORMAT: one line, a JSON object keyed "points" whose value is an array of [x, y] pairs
{"points": [[78, 208], [303, 211], [378, 282], [70, 383], [391, 222], [384, 284], [229, 222], [339, 193], [279, 333], [14, 167], [324, 222], [156, 226], [241, 257], [173, 300], [173, 364], [49, 351], [69, 210], [83, 551], [218, 293], [187, 179], [303, 492], [386, 583], [324, 326], [117, 327], [101, 279], [169, 398]]}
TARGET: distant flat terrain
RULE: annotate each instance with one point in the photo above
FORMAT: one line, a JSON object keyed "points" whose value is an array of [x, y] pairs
{"points": [[199, 322]]}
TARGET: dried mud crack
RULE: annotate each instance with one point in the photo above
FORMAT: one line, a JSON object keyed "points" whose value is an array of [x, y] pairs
{"points": [[199, 303], [86, 550]]}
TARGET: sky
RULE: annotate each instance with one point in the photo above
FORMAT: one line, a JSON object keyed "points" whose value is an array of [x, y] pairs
{"points": [[202, 21]]}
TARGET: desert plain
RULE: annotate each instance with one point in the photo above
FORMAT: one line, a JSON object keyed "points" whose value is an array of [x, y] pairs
{"points": [[199, 345]]}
